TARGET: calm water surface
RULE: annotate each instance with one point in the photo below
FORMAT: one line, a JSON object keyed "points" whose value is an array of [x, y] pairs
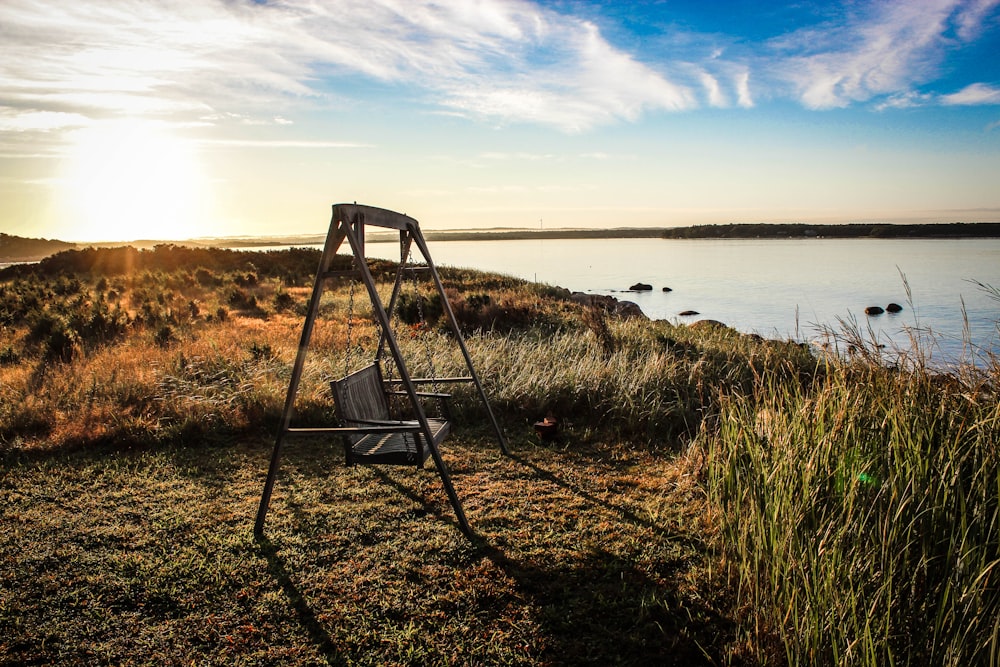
{"points": [[792, 288]]}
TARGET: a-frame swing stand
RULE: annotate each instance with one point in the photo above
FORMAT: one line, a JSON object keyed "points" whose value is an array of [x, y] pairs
{"points": [[369, 436]]}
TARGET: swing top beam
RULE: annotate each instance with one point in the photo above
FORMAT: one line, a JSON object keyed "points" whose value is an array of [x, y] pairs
{"points": [[370, 215]]}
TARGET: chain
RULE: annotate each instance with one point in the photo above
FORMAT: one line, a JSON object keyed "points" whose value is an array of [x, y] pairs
{"points": [[424, 328], [350, 323]]}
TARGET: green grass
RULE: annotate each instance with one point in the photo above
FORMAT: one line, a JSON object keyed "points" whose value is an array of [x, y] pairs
{"points": [[146, 555]]}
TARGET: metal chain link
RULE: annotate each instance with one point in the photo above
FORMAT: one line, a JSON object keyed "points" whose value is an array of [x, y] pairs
{"points": [[424, 328], [350, 324]]}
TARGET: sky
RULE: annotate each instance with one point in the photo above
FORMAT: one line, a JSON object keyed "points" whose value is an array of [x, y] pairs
{"points": [[174, 119]]}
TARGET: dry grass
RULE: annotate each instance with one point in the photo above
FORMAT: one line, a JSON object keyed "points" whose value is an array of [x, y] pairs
{"points": [[851, 507]]}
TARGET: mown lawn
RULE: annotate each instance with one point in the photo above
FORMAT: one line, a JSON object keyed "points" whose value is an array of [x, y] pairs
{"points": [[591, 554]]}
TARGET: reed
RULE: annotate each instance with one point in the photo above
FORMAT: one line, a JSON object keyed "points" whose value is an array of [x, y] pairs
{"points": [[860, 516]]}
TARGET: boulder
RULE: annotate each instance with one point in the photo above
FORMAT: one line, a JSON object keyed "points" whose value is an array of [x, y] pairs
{"points": [[893, 308], [610, 305], [688, 313], [668, 289], [641, 287], [874, 310], [708, 324], [628, 310]]}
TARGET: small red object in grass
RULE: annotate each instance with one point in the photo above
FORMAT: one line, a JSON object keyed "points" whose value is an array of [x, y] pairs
{"points": [[547, 428]]}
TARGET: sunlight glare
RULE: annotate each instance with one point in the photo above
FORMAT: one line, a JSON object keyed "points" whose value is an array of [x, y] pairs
{"points": [[125, 181]]}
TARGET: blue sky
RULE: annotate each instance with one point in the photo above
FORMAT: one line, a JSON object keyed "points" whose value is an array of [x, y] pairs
{"points": [[123, 120]]}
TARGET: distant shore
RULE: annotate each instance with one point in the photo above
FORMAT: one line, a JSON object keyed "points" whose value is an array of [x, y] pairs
{"points": [[19, 249], [734, 231]]}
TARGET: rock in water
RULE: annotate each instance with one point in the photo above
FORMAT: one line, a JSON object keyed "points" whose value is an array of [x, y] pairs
{"points": [[641, 287], [893, 308], [708, 324], [874, 310]]}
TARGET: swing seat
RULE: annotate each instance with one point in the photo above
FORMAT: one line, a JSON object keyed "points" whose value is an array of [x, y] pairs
{"points": [[361, 405]]}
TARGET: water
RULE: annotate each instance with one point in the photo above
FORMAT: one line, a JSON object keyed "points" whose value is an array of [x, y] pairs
{"points": [[794, 288]]}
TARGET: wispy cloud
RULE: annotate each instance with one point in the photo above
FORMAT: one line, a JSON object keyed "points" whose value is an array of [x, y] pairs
{"points": [[282, 143], [494, 155], [974, 94], [505, 60], [886, 49], [502, 61]]}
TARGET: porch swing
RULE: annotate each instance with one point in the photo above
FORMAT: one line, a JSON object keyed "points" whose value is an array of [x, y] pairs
{"points": [[362, 398], [370, 433]]}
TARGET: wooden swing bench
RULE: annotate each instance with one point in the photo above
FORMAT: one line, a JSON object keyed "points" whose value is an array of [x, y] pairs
{"points": [[370, 434]]}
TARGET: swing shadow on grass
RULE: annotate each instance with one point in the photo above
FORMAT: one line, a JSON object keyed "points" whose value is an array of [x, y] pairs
{"points": [[558, 572], [307, 618]]}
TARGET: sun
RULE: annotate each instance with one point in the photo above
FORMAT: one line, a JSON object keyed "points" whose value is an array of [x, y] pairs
{"points": [[124, 181]]}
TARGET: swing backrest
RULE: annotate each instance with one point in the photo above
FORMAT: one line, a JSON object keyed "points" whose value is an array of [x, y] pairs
{"points": [[360, 396]]}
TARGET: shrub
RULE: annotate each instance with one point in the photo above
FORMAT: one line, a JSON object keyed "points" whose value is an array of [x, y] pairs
{"points": [[283, 301], [9, 356], [260, 351], [242, 300], [419, 309], [164, 336], [205, 278]]}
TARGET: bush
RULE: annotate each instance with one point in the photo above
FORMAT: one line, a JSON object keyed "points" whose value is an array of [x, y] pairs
{"points": [[419, 309], [165, 336], [242, 300], [283, 301], [205, 278], [9, 356]]}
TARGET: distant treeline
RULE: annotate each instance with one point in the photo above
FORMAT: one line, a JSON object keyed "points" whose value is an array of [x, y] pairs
{"points": [[729, 231], [15, 248], [294, 263], [29, 249], [521, 234], [849, 231]]}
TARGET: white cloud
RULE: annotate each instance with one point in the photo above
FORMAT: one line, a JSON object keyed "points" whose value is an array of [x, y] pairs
{"points": [[742, 83], [970, 19], [885, 50], [507, 60], [11, 121], [533, 157], [279, 143], [712, 89], [975, 94], [905, 100], [503, 61]]}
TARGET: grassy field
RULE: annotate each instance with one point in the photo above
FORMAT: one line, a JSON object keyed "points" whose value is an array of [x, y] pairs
{"points": [[713, 498]]}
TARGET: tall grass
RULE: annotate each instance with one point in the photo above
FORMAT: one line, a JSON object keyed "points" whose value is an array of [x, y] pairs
{"points": [[861, 516]]}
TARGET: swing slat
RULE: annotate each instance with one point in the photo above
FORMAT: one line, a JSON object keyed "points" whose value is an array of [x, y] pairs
{"points": [[396, 448], [361, 404], [433, 380]]}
